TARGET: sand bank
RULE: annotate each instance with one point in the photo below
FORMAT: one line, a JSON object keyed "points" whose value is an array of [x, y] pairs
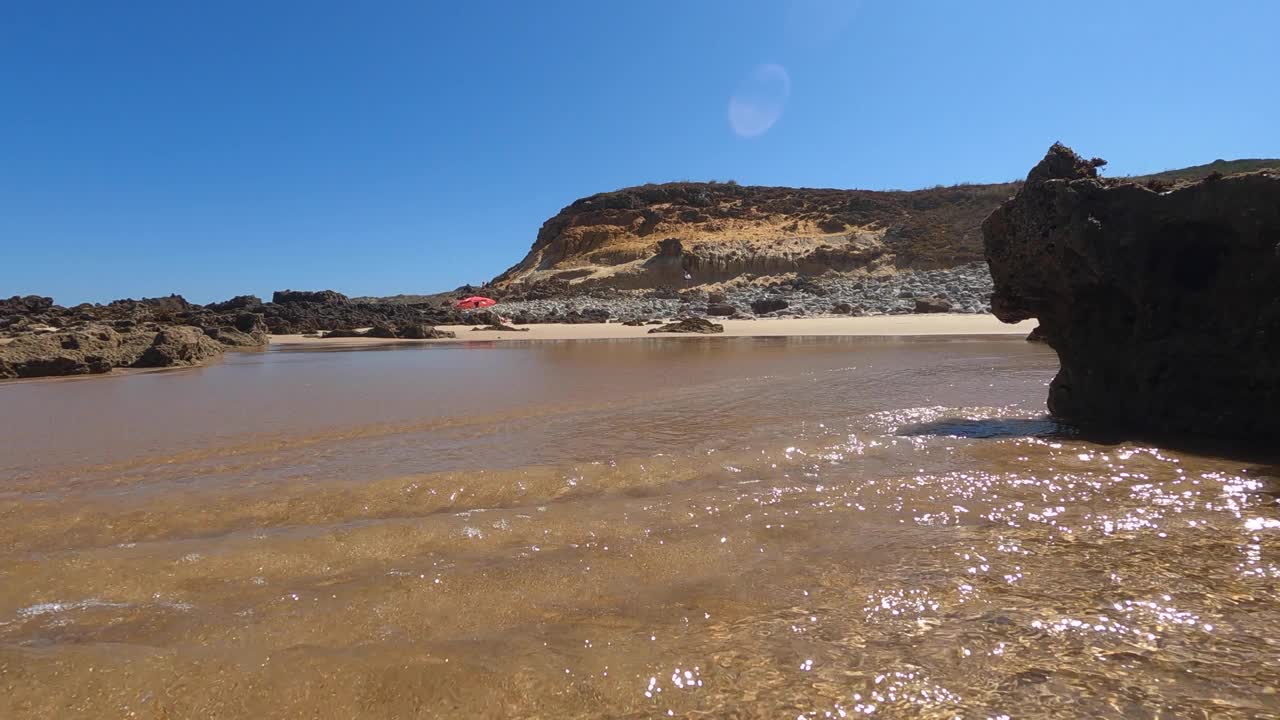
{"points": [[890, 325]]}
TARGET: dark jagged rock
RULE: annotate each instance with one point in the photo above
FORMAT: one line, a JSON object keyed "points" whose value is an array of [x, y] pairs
{"points": [[411, 331], [163, 309], [25, 305], [1036, 335], [238, 302], [768, 305], [721, 310], [1163, 307], [931, 305], [690, 325], [499, 328], [306, 317], [329, 297], [425, 332]]}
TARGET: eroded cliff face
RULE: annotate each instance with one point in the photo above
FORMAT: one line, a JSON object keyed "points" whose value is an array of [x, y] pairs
{"points": [[649, 236], [1163, 304]]}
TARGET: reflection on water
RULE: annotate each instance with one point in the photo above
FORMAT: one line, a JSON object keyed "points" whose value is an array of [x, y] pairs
{"points": [[723, 527], [993, 427]]}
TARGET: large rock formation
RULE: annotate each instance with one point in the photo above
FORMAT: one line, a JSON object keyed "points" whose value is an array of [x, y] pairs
{"points": [[1162, 301], [98, 349]]}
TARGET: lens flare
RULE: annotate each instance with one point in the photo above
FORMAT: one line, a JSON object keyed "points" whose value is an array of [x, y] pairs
{"points": [[759, 100]]}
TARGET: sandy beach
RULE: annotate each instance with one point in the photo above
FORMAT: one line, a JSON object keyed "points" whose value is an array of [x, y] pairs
{"points": [[884, 325]]}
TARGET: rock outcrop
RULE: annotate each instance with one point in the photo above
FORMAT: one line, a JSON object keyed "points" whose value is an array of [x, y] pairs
{"points": [[248, 329], [49, 339], [415, 331], [98, 349], [690, 325], [1162, 303], [178, 346], [767, 305], [424, 332], [329, 297], [297, 317]]}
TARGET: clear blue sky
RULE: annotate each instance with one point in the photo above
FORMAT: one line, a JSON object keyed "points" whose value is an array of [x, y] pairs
{"points": [[218, 148]]}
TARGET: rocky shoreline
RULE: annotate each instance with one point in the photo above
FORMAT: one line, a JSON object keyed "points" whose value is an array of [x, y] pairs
{"points": [[47, 339]]}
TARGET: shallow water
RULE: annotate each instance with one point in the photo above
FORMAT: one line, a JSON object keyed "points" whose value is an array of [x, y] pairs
{"points": [[694, 528]]}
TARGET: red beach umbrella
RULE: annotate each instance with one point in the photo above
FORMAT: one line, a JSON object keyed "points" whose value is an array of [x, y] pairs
{"points": [[475, 301]]}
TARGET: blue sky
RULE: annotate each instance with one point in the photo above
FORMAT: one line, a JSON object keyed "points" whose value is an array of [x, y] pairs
{"points": [[213, 149]]}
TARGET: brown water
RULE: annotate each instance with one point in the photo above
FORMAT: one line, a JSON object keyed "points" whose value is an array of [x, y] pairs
{"points": [[703, 528]]}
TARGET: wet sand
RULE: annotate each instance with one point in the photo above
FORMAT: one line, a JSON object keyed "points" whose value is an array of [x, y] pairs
{"points": [[742, 527], [886, 325]]}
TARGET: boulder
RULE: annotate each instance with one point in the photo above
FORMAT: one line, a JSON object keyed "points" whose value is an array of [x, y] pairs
{"points": [[383, 330], [768, 305], [716, 298], [68, 353], [499, 327], [931, 305], [690, 325], [1163, 307], [842, 308], [178, 346], [244, 330], [482, 317], [721, 309], [424, 332]]}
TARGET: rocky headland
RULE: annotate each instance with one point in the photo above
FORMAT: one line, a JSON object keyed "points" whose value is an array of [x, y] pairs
{"points": [[1162, 300]]}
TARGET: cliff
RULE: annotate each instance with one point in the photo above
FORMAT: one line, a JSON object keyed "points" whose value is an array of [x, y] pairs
{"points": [[648, 236]]}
